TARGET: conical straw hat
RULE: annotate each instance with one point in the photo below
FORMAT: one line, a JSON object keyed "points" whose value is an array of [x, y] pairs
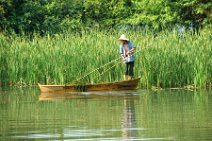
{"points": [[123, 37]]}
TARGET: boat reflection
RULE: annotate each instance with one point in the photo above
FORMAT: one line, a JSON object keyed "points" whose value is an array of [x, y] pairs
{"points": [[88, 95], [128, 128]]}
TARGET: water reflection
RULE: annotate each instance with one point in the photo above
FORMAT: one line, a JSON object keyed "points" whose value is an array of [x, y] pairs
{"points": [[129, 119], [128, 123], [88, 95], [130, 115]]}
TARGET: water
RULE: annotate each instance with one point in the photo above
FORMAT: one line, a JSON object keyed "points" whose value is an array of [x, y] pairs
{"points": [[172, 115]]}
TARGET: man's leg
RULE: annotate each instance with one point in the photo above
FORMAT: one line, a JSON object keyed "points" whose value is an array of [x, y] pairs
{"points": [[126, 76], [131, 70]]}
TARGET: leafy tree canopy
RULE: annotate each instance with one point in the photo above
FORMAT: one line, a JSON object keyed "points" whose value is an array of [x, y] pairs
{"points": [[53, 16]]}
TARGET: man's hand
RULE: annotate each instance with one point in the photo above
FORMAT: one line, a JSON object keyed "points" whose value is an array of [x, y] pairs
{"points": [[128, 52]]}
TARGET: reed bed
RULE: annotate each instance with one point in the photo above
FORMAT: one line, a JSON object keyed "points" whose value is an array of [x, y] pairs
{"points": [[168, 59]]}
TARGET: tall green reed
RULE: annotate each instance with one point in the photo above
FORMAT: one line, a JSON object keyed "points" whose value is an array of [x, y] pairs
{"points": [[165, 60], [174, 60]]}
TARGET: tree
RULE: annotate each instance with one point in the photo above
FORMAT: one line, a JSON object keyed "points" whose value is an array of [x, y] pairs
{"points": [[54, 16], [195, 12], [154, 14], [5, 7]]}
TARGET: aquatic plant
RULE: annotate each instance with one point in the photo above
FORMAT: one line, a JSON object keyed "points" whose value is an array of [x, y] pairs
{"points": [[166, 59]]}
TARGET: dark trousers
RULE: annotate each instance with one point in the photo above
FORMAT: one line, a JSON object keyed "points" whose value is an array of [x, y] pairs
{"points": [[129, 69]]}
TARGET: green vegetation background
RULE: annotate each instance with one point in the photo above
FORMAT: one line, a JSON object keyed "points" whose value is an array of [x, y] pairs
{"points": [[59, 41], [53, 16]]}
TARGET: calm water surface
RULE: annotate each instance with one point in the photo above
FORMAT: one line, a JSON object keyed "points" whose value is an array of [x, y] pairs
{"points": [[26, 114]]}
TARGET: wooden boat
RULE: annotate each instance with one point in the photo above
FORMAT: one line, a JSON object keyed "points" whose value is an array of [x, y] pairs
{"points": [[111, 86]]}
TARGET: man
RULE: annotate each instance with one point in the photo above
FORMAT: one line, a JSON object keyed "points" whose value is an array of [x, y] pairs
{"points": [[127, 52]]}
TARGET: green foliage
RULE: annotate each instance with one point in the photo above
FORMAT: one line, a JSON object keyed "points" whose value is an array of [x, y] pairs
{"points": [[196, 12], [166, 60], [159, 14], [56, 16]]}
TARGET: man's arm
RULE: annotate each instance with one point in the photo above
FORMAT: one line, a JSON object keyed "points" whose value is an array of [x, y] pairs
{"points": [[131, 51]]}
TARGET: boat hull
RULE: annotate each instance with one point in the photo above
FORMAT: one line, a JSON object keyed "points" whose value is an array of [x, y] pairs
{"points": [[112, 86]]}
